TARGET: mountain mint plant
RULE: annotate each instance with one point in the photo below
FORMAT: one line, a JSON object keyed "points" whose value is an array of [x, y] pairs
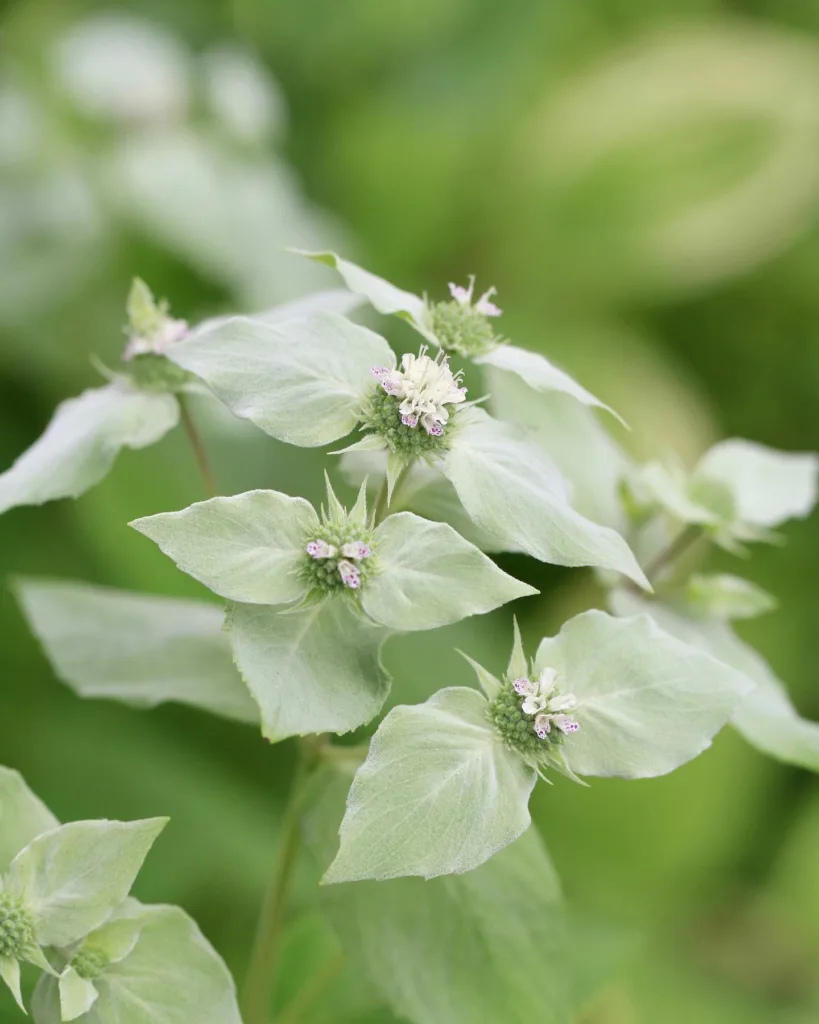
{"points": [[446, 472]]}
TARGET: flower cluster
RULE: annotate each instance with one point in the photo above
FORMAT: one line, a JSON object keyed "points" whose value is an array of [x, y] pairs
{"points": [[151, 330], [526, 709], [463, 326], [340, 556], [424, 388], [16, 929]]}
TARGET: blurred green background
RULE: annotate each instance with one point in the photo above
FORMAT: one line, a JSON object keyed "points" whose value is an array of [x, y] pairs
{"points": [[641, 182]]}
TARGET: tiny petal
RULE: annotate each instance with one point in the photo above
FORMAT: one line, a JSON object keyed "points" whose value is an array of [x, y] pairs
{"points": [[485, 306], [356, 549], [462, 295], [409, 419], [350, 576], [532, 705], [320, 549], [435, 429], [543, 726], [566, 723], [522, 685]]}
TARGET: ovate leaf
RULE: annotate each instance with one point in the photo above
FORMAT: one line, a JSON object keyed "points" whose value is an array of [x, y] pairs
{"points": [[768, 486], [511, 489], [71, 878], [302, 381], [245, 548], [767, 717], [137, 648], [313, 671], [82, 440], [536, 370], [647, 702], [77, 995], [438, 794], [23, 816], [723, 596], [429, 576], [332, 300]]}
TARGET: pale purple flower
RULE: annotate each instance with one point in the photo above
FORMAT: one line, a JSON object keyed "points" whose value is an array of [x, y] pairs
{"points": [[356, 549], [159, 341], [426, 387], [484, 305], [566, 723], [524, 686], [350, 575], [320, 549], [543, 726]]}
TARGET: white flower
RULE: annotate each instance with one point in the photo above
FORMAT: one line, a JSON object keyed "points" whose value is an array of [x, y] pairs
{"points": [[356, 549], [541, 698], [483, 306], [158, 341], [320, 549], [425, 386], [349, 574]]}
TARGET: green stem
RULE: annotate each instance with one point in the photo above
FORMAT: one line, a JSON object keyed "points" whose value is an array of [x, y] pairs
{"points": [[261, 973], [681, 543], [198, 448], [311, 992]]}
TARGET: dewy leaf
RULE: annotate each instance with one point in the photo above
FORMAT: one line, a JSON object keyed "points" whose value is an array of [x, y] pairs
{"points": [[172, 976], [429, 576], [382, 295], [137, 648], [482, 946], [313, 671], [302, 381], [646, 702], [727, 597], [766, 718], [71, 879], [536, 370], [511, 489], [245, 548], [768, 486], [23, 816], [82, 441], [439, 794]]}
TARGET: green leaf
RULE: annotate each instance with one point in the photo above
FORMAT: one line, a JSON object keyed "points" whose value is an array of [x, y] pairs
{"points": [[429, 576], [438, 794], [768, 486], [536, 370], [647, 702], [23, 816], [490, 684], [173, 975], [245, 548], [723, 596], [332, 300], [382, 295], [77, 995], [302, 382], [71, 879], [482, 946], [511, 489], [313, 671], [82, 441], [10, 973], [137, 648], [767, 717]]}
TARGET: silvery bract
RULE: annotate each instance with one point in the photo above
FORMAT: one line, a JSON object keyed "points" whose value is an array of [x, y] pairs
{"points": [[446, 784], [48, 895], [145, 965], [344, 582], [460, 324], [767, 717], [141, 649], [738, 491]]}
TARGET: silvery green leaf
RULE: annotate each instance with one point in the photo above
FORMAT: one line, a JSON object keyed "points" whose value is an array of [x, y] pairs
{"points": [[439, 794], [768, 486], [332, 300], [70, 879], [766, 718], [358, 513], [317, 670], [429, 576], [723, 596], [518, 664], [10, 973], [23, 816], [490, 685], [302, 381], [77, 995], [511, 489], [382, 295], [137, 648], [481, 946], [245, 548], [541, 375], [656, 484], [646, 702], [82, 441], [572, 435], [173, 975]]}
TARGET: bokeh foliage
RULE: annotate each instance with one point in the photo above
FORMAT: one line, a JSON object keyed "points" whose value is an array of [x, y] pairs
{"points": [[641, 182]]}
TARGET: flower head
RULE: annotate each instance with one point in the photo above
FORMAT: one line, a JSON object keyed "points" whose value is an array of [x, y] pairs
{"points": [[340, 550], [151, 330], [462, 325], [463, 296], [531, 713], [424, 388]]}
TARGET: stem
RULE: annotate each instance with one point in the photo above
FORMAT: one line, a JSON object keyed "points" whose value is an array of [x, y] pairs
{"points": [[262, 970], [198, 449], [382, 505], [311, 992], [675, 549]]}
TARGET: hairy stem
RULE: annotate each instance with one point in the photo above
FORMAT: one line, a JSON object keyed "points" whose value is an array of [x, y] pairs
{"points": [[311, 992], [198, 449], [263, 961], [681, 543]]}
